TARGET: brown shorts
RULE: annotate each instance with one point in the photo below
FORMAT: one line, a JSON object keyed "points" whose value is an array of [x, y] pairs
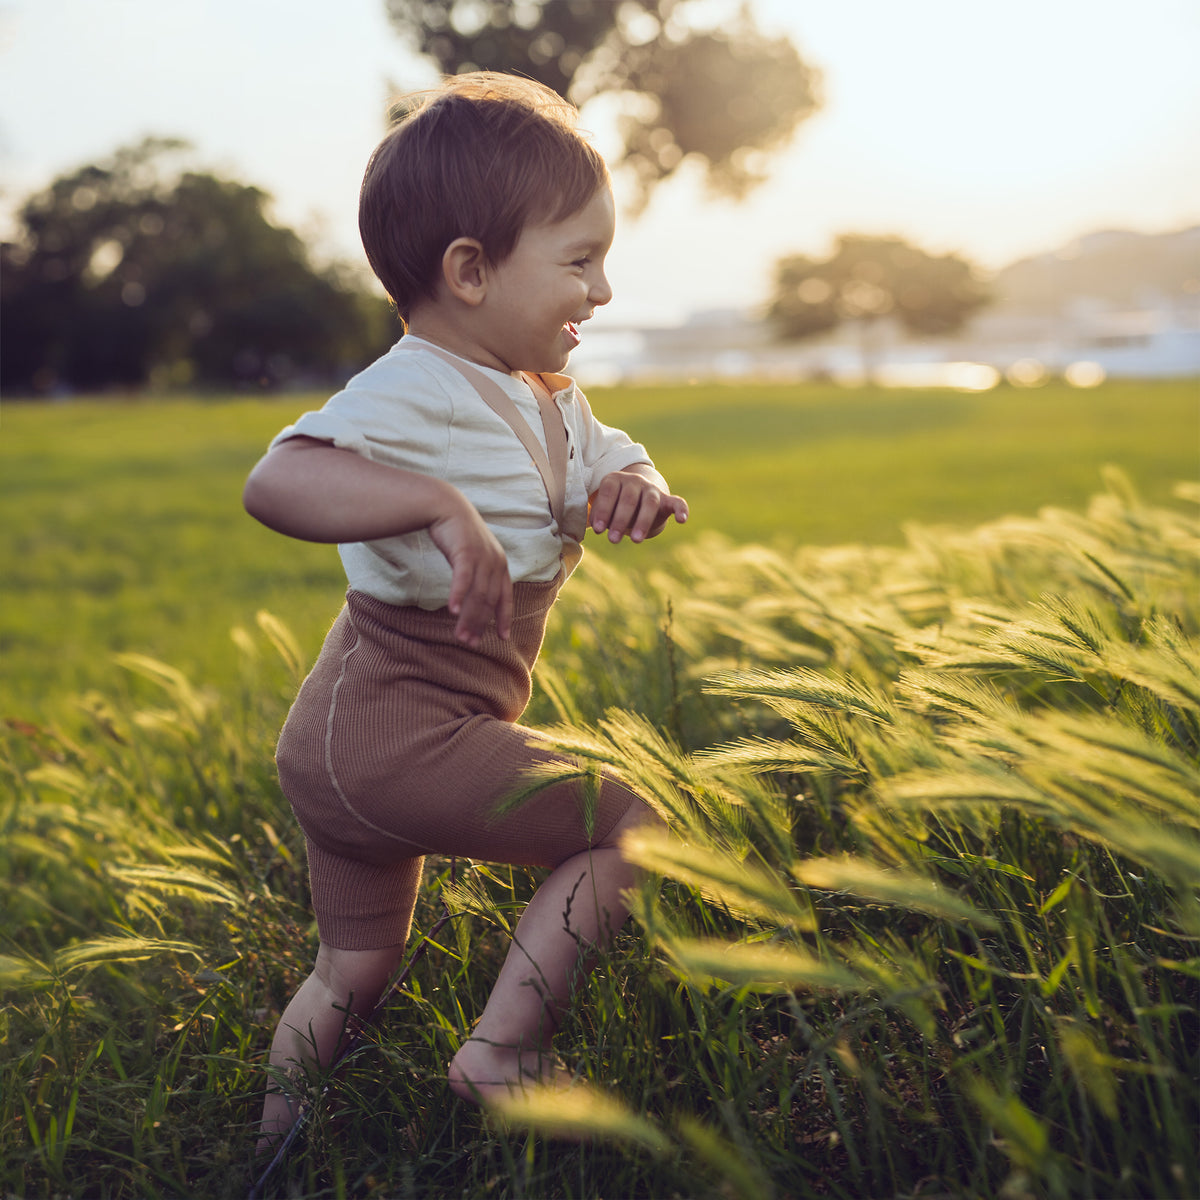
{"points": [[402, 742]]}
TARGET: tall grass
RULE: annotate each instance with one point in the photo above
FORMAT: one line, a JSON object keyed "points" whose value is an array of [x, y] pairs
{"points": [[960, 855], [123, 530], [924, 923]]}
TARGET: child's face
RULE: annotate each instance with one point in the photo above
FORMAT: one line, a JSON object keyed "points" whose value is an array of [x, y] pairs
{"points": [[553, 280]]}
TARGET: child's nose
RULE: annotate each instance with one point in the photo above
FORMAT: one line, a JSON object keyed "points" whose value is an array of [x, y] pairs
{"points": [[601, 290]]}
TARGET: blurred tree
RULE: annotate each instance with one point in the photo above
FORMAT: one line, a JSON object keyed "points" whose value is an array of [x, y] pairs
{"points": [[867, 279], [126, 272], [725, 96]]}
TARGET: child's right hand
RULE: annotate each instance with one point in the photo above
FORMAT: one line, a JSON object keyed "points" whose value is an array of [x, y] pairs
{"points": [[480, 587], [309, 489]]}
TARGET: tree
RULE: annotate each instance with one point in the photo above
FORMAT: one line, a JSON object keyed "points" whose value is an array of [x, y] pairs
{"points": [[126, 272], [867, 279], [723, 96]]}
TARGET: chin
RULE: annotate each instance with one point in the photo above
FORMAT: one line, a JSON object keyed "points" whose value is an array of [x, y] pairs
{"points": [[552, 360]]}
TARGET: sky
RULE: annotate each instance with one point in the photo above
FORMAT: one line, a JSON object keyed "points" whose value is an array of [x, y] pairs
{"points": [[991, 130]]}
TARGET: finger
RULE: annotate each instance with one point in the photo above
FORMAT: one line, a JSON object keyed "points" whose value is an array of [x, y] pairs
{"points": [[679, 507], [636, 512], [470, 627], [466, 584], [624, 512], [477, 612], [649, 514], [461, 577], [504, 609], [601, 503], [488, 597]]}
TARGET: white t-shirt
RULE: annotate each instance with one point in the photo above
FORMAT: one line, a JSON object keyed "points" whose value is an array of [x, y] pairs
{"points": [[412, 409]]}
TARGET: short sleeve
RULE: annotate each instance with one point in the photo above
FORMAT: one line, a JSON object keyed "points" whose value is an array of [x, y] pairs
{"points": [[326, 425], [604, 449]]}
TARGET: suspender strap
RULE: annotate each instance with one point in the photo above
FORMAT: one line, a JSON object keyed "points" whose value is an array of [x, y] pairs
{"points": [[553, 466], [556, 445]]}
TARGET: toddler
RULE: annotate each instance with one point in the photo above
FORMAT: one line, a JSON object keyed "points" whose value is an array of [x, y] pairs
{"points": [[458, 474]]}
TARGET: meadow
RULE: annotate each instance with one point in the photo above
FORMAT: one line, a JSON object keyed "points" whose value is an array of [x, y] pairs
{"points": [[917, 691]]}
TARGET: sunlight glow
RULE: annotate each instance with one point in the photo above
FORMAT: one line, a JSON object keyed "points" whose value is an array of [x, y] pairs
{"points": [[106, 258], [1085, 374], [958, 376], [1028, 373]]}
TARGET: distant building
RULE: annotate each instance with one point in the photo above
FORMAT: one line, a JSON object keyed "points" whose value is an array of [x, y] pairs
{"points": [[1158, 342], [1138, 344], [1117, 304]]}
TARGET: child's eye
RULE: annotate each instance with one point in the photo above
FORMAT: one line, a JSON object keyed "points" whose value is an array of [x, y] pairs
{"points": [[582, 262]]}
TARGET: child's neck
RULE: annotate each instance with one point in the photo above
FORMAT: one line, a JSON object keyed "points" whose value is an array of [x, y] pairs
{"points": [[450, 337]]}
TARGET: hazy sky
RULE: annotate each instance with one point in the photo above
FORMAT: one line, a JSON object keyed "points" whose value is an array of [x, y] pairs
{"points": [[995, 130]]}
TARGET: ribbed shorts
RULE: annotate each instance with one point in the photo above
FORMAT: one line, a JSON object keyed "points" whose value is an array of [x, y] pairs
{"points": [[402, 742]]}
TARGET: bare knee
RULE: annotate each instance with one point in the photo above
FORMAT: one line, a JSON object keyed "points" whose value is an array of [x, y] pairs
{"points": [[639, 815]]}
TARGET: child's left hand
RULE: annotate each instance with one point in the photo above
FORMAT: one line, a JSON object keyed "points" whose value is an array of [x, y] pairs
{"points": [[636, 502]]}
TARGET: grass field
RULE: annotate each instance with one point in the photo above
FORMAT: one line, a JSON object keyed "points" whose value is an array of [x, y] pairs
{"points": [[124, 528], [925, 925]]}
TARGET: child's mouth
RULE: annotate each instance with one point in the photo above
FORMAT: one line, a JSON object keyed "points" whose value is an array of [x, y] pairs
{"points": [[572, 332]]}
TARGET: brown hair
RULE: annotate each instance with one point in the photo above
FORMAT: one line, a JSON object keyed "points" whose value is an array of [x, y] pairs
{"points": [[481, 157]]}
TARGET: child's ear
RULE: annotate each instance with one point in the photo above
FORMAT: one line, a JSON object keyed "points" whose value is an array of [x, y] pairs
{"points": [[464, 268]]}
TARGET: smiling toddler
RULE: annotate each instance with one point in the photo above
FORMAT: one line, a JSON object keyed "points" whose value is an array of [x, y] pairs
{"points": [[459, 474]]}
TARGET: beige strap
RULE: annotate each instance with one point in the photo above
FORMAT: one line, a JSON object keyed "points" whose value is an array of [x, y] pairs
{"points": [[556, 443], [552, 468]]}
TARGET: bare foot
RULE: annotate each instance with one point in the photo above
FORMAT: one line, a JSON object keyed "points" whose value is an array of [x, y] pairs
{"points": [[281, 1110], [482, 1071]]}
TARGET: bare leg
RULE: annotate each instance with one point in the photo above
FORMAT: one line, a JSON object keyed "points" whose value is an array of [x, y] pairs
{"points": [[579, 906], [344, 987], [344, 984]]}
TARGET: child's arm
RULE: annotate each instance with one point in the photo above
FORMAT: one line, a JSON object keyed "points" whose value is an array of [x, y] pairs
{"points": [[634, 501], [312, 490]]}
